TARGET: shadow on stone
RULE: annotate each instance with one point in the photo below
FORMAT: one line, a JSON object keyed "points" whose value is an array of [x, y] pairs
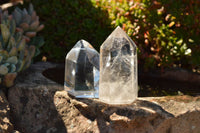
{"points": [[140, 116]]}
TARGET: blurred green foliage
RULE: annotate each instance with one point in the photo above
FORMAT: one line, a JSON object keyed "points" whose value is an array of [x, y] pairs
{"points": [[166, 31], [68, 21]]}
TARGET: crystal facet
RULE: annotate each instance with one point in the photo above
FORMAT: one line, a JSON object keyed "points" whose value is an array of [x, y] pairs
{"points": [[82, 71], [118, 69]]}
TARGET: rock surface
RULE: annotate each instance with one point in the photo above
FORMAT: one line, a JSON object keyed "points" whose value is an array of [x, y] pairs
{"points": [[90, 115], [5, 124], [186, 110], [40, 105], [31, 102], [178, 114]]}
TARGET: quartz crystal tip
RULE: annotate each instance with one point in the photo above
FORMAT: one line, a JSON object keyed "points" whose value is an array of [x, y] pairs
{"points": [[82, 71], [118, 69]]}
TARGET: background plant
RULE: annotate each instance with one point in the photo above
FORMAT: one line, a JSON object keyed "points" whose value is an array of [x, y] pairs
{"points": [[17, 46], [165, 31], [27, 22], [67, 22]]}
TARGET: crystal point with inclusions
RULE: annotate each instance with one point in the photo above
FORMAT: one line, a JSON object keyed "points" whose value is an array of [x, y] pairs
{"points": [[118, 69], [82, 71]]}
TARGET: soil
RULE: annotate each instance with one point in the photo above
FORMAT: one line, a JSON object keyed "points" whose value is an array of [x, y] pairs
{"points": [[148, 86]]}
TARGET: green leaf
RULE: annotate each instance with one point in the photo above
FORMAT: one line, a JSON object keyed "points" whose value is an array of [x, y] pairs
{"points": [[5, 33]]}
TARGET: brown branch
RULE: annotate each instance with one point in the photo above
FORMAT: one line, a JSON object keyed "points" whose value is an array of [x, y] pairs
{"points": [[10, 4]]}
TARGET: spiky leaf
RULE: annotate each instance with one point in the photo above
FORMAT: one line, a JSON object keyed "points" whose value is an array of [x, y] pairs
{"points": [[24, 26], [12, 27], [27, 64], [21, 55], [12, 68], [1, 58], [4, 53], [20, 65], [18, 37], [34, 16], [3, 70], [21, 45], [19, 30], [26, 19], [30, 34], [30, 9], [6, 64], [25, 12], [26, 52], [19, 10], [11, 43], [0, 45], [32, 51], [3, 45], [34, 25], [17, 16], [27, 38], [13, 51], [12, 60], [40, 28], [5, 33]]}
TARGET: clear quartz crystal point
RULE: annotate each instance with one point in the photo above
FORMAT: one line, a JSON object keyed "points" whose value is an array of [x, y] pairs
{"points": [[118, 69], [82, 71]]}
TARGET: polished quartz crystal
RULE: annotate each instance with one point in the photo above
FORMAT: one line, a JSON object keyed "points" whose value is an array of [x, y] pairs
{"points": [[118, 69], [82, 71]]}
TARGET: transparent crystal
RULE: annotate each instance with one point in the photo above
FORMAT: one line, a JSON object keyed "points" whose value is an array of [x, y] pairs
{"points": [[82, 71], [118, 69]]}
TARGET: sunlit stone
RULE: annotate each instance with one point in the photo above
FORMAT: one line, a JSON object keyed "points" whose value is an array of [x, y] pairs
{"points": [[82, 71], [118, 69]]}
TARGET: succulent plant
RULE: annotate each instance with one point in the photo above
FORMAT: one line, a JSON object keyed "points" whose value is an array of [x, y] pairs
{"points": [[18, 42], [15, 55], [27, 22]]}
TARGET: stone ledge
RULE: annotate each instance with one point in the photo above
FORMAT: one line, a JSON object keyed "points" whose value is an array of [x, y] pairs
{"points": [[179, 114], [41, 105], [31, 101], [177, 105], [139, 117], [186, 111]]}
